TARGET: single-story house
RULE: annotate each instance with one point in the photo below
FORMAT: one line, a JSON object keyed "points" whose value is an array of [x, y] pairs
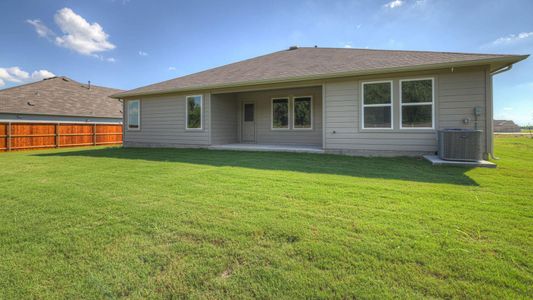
{"points": [[506, 126], [347, 101], [60, 99]]}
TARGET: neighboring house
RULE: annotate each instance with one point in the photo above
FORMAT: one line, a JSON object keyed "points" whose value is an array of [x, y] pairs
{"points": [[350, 101], [59, 99], [506, 126]]}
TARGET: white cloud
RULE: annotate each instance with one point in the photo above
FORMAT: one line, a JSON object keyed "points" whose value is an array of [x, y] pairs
{"points": [[41, 29], [111, 59], [17, 75], [507, 108], [347, 46], [41, 74], [172, 68], [79, 35], [512, 38], [13, 74], [142, 53], [394, 4]]}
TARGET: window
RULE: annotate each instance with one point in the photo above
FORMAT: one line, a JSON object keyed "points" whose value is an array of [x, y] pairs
{"points": [[194, 112], [248, 112], [302, 109], [377, 105], [134, 115], [416, 102], [280, 113]]}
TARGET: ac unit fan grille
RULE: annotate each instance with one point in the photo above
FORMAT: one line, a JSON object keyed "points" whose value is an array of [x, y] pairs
{"points": [[460, 144]]}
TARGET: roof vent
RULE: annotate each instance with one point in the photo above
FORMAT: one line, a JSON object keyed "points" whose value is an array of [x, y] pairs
{"points": [[293, 48]]}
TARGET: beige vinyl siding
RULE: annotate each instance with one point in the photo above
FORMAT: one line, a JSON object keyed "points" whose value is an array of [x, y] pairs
{"points": [[459, 93], [224, 119], [163, 123], [266, 135], [456, 95]]}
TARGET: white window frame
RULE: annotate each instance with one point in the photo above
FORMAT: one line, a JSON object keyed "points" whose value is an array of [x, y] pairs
{"points": [[288, 113], [187, 112], [294, 113], [432, 103], [363, 105], [128, 115]]}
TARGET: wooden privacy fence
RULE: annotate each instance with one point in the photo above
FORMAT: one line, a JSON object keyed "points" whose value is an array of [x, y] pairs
{"points": [[23, 135]]}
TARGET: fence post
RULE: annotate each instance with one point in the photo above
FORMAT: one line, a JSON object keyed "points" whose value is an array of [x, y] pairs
{"points": [[94, 134], [57, 135], [8, 137]]}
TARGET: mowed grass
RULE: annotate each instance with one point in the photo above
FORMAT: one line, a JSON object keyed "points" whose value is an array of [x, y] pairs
{"points": [[167, 223]]}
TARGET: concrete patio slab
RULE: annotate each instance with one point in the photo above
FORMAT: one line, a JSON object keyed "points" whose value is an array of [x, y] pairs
{"points": [[436, 161], [268, 148]]}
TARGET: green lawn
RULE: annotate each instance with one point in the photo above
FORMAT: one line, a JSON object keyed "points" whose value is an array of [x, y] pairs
{"points": [[161, 223]]}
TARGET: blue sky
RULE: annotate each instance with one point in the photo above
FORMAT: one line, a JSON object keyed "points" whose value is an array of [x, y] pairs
{"points": [[130, 43]]}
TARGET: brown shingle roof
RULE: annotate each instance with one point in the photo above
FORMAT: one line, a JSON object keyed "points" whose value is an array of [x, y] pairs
{"points": [[60, 96], [314, 63]]}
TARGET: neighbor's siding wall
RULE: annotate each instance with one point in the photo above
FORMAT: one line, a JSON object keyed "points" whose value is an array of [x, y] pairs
{"points": [[456, 95], [225, 119], [163, 123], [263, 117]]}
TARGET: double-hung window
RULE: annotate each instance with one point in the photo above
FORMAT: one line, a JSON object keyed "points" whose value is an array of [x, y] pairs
{"points": [[194, 116], [377, 105], [134, 114], [302, 109], [280, 113], [417, 103]]}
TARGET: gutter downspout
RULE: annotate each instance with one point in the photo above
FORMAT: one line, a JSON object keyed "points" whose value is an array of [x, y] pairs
{"points": [[491, 107], [123, 122]]}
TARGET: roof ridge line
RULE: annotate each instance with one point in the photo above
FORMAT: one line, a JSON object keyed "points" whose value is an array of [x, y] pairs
{"points": [[413, 51]]}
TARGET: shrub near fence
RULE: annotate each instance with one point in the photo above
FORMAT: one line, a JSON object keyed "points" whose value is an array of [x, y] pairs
{"points": [[21, 136]]}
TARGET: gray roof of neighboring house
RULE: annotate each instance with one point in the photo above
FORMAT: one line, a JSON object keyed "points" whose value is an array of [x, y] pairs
{"points": [[60, 96], [504, 122], [317, 63]]}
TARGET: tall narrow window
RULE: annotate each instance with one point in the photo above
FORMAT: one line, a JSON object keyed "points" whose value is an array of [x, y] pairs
{"points": [[416, 98], [194, 112], [302, 112], [377, 105], [280, 113], [134, 114], [248, 112]]}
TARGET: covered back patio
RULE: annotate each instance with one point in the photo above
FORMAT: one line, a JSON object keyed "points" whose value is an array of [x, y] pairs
{"points": [[288, 119]]}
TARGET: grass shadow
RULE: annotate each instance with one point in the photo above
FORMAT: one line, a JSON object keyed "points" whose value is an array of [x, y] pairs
{"points": [[400, 168]]}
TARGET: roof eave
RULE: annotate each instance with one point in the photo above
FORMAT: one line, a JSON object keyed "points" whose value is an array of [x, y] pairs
{"points": [[508, 59], [61, 115]]}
